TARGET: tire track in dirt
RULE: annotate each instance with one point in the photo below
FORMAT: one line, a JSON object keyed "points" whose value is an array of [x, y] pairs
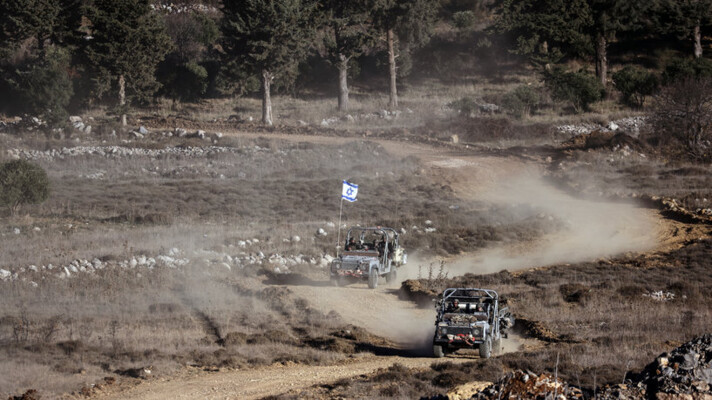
{"points": [[209, 326]]}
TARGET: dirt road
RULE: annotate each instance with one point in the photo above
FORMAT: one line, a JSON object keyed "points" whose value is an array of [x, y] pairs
{"points": [[256, 383], [593, 229]]}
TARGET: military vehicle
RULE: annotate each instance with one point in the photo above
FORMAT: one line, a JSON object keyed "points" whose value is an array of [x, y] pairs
{"points": [[369, 253], [470, 318]]}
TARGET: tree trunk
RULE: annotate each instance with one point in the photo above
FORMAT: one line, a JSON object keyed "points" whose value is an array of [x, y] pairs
{"points": [[601, 58], [544, 49], [267, 78], [390, 38], [698, 41], [343, 83], [122, 98]]}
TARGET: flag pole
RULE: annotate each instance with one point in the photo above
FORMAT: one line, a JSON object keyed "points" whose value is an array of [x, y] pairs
{"points": [[338, 239]]}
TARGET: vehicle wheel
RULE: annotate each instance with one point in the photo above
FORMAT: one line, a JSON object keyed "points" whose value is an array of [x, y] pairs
{"points": [[392, 276], [486, 349], [438, 351], [497, 347], [373, 278]]}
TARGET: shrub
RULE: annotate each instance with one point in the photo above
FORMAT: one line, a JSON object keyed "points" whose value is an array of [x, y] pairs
{"points": [[580, 89], [521, 101], [22, 182], [465, 105], [682, 68], [635, 84], [683, 113], [464, 19], [186, 82]]}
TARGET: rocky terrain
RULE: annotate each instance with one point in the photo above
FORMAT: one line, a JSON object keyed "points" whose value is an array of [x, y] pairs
{"points": [[200, 256]]}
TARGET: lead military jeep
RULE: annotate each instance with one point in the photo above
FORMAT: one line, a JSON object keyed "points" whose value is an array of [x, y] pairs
{"points": [[369, 253], [470, 318]]}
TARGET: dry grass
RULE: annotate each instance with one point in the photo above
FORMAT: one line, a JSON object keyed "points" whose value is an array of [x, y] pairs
{"points": [[600, 320]]}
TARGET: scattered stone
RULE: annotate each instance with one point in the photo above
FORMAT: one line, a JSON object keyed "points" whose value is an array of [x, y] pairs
{"points": [[142, 130], [488, 108], [321, 232], [296, 239], [5, 274], [16, 231], [329, 121]]}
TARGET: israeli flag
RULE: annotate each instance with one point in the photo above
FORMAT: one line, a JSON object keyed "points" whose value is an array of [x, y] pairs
{"points": [[349, 191]]}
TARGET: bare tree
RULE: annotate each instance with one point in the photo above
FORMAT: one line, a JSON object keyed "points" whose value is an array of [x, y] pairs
{"points": [[683, 114]]}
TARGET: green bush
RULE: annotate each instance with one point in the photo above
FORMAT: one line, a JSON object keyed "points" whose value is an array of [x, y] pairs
{"points": [[635, 84], [186, 82], [22, 182], [580, 88], [680, 69], [465, 105], [521, 101], [464, 19]]}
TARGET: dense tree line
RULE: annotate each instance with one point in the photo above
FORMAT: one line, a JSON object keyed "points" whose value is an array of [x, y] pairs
{"points": [[68, 54]]}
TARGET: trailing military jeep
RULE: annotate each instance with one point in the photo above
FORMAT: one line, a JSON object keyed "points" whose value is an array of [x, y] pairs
{"points": [[470, 318], [369, 253]]}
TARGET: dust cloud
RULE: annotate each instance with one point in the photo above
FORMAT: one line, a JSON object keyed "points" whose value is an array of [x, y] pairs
{"points": [[591, 229]]}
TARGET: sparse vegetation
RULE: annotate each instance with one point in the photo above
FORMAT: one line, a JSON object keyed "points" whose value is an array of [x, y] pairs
{"points": [[22, 182], [578, 89], [635, 84]]}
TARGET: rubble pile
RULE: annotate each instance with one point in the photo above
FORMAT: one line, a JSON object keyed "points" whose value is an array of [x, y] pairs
{"points": [[685, 373], [685, 370], [527, 385]]}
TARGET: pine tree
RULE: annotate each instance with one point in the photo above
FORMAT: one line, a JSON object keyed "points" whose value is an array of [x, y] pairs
{"points": [[128, 40], [269, 38], [685, 18], [345, 36], [609, 18], [545, 30], [35, 54], [409, 20]]}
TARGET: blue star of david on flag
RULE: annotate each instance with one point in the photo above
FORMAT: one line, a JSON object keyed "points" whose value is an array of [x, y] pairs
{"points": [[349, 191]]}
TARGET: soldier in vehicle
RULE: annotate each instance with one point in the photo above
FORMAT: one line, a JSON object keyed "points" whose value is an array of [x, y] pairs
{"points": [[381, 246], [453, 307], [350, 245]]}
